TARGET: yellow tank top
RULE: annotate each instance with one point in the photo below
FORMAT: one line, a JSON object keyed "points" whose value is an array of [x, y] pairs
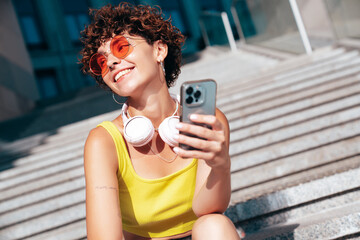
{"points": [[153, 207]]}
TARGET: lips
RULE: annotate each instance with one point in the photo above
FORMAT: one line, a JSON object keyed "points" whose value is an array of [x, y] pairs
{"points": [[122, 73]]}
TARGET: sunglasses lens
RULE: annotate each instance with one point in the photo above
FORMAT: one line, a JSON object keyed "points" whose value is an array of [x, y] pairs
{"points": [[98, 64], [120, 46]]}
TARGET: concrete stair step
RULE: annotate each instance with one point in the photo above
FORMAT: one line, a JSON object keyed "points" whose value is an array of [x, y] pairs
{"points": [[72, 231], [291, 147], [64, 166], [44, 223], [262, 114], [306, 127], [320, 67], [291, 119], [284, 66], [262, 100], [47, 140], [21, 215], [57, 140], [283, 216], [294, 196], [326, 208], [339, 223], [49, 192], [271, 92], [267, 51], [43, 156], [48, 118], [60, 140], [38, 165], [225, 68], [283, 167], [277, 184], [309, 69]]}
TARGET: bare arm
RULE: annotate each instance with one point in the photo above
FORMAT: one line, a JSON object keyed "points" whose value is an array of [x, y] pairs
{"points": [[213, 187], [103, 216]]}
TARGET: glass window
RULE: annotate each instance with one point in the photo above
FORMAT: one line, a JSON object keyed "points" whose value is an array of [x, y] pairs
{"points": [[213, 24], [47, 83], [73, 27], [244, 15], [31, 33], [29, 24], [86, 79], [171, 9], [345, 17], [76, 17], [214, 5], [116, 2], [270, 24]]}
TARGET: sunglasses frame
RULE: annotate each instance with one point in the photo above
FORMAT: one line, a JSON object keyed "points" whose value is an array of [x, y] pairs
{"points": [[95, 56]]}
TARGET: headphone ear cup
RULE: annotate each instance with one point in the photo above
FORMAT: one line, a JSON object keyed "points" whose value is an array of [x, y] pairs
{"points": [[138, 131], [167, 130]]}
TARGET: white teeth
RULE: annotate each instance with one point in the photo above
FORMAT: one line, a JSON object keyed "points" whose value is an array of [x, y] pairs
{"points": [[120, 74]]}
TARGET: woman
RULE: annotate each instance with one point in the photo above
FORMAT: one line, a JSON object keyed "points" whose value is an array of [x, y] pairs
{"points": [[152, 190]]}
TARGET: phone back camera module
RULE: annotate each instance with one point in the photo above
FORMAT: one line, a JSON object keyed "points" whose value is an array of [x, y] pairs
{"points": [[194, 96]]}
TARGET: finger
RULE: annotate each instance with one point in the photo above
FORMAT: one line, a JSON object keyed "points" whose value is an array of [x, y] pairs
{"points": [[201, 144], [196, 130], [193, 154], [207, 119]]}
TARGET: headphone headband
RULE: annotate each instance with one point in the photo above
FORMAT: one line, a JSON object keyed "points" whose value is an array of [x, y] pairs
{"points": [[138, 130]]}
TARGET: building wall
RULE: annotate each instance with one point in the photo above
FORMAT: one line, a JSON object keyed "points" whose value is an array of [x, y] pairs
{"points": [[345, 17], [315, 18], [18, 89]]}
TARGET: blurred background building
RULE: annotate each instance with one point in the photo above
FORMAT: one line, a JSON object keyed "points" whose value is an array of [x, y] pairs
{"points": [[39, 44]]}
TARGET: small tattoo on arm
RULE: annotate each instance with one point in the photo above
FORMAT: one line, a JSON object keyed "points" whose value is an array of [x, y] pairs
{"points": [[105, 188]]}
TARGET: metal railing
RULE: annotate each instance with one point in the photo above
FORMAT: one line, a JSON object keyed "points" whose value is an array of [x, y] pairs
{"points": [[226, 24]]}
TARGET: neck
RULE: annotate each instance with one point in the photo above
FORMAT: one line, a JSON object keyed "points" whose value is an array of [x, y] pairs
{"points": [[156, 106]]}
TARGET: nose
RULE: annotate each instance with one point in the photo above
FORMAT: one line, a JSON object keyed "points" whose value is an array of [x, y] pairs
{"points": [[112, 60]]}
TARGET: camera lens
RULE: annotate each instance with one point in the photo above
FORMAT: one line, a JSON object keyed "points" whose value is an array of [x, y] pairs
{"points": [[189, 100], [197, 94], [189, 90]]}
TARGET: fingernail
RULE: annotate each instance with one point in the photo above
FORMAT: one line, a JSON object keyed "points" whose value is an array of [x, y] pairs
{"points": [[176, 136], [193, 117], [179, 126], [176, 149]]}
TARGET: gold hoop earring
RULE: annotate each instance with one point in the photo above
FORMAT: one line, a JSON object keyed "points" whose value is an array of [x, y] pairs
{"points": [[113, 96], [162, 67]]}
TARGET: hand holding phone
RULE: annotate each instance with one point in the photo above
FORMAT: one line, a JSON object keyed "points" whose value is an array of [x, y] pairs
{"points": [[206, 136], [197, 97]]}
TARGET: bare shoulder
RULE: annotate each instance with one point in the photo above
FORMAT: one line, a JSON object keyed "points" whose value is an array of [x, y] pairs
{"points": [[99, 148], [98, 139]]}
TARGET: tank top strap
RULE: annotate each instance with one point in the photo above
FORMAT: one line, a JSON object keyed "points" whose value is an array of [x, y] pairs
{"points": [[118, 139]]}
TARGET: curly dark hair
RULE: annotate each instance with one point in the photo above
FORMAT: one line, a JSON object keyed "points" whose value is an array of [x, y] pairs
{"points": [[141, 20]]}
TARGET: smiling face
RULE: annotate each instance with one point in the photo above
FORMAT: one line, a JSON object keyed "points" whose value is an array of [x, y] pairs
{"points": [[128, 76]]}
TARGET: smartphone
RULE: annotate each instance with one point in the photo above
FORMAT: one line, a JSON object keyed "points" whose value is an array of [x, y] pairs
{"points": [[197, 97]]}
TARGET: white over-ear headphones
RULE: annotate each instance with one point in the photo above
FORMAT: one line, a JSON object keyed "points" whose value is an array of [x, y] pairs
{"points": [[139, 130]]}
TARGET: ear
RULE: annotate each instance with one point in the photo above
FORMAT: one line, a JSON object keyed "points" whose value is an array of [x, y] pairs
{"points": [[161, 50]]}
